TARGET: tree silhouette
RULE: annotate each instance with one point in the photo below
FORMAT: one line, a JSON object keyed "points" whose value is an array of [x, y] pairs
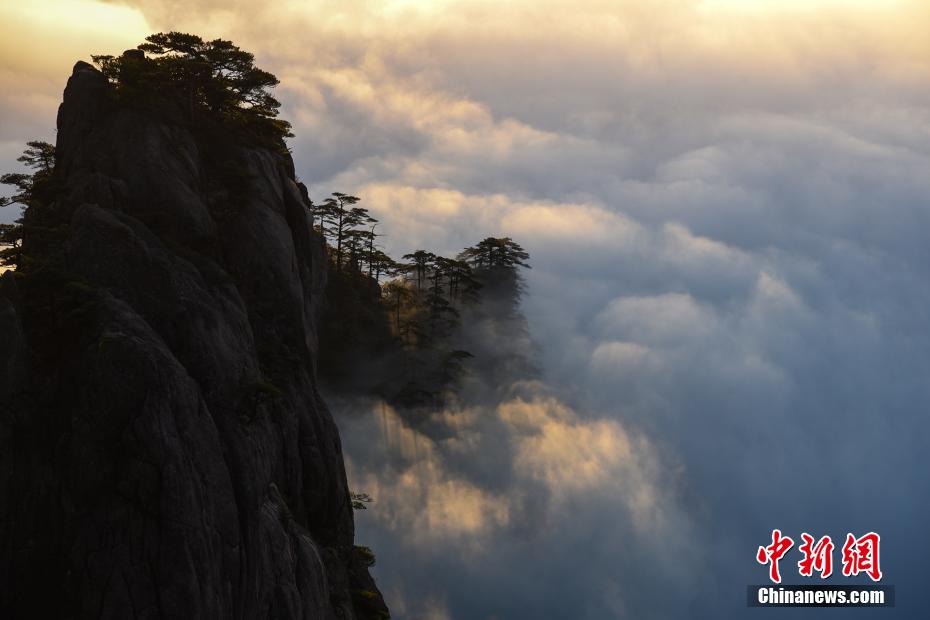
{"points": [[11, 237], [420, 262], [415, 358], [340, 222], [381, 263], [359, 501], [462, 284], [397, 294], [213, 77], [496, 252], [441, 315], [370, 235], [39, 156]]}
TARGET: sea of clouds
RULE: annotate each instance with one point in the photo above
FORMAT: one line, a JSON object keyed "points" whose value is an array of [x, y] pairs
{"points": [[727, 213]]}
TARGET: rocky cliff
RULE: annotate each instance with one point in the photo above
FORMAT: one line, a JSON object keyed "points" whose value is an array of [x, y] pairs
{"points": [[164, 452]]}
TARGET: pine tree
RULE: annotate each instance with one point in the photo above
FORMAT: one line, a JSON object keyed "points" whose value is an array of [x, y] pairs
{"points": [[214, 78], [39, 156], [420, 262], [340, 222], [496, 252]]}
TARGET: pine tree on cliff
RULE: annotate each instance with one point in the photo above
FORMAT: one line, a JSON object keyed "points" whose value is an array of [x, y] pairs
{"points": [[441, 316], [41, 157], [370, 236], [340, 221], [419, 265], [496, 252], [382, 264], [133, 301], [397, 294], [212, 78], [462, 284]]}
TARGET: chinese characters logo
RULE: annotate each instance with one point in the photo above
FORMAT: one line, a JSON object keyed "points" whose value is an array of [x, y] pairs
{"points": [[859, 555]]}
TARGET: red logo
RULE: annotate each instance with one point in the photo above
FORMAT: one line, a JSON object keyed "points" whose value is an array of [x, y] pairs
{"points": [[773, 553], [860, 555], [817, 557]]}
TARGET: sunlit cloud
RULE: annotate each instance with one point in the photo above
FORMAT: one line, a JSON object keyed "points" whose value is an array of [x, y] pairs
{"points": [[421, 498], [726, 204], [558, 472]]}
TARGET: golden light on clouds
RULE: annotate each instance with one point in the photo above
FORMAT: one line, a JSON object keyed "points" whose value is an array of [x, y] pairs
{"points": [[358, 48], [422, 495], [39, 43], [709, 190], [44, 35], [799, 5]]}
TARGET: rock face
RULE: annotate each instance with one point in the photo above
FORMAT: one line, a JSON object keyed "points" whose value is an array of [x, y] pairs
{"points": [[164, 452]]}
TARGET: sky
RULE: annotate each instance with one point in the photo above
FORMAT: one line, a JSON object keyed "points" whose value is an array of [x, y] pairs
{"points": [[726, 205]]}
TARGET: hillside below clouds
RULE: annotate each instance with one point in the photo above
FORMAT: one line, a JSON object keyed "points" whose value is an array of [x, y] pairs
{"points": [[164, 452]]}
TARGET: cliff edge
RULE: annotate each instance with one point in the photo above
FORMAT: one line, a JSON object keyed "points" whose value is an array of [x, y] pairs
{"points": [[164, 452]]}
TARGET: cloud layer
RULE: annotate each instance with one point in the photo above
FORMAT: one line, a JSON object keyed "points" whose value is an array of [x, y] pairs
{"points": [[727, 210], [575, 518]]}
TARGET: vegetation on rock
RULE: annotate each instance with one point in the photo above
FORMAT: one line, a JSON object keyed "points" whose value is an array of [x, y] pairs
{"points": [[203, 79], [161, 314], [30, 190], [394, 328]]}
